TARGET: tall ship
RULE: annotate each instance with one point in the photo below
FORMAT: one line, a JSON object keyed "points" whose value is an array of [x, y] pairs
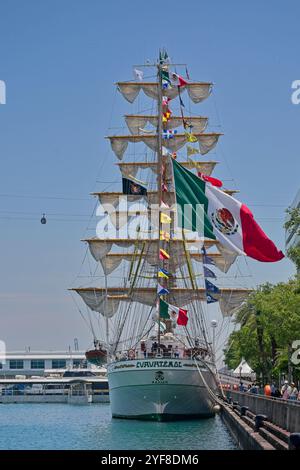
{"points": [[164, 243]]}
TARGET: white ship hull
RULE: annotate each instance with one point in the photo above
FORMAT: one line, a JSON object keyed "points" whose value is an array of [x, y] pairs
{"points": [[159, 389]]}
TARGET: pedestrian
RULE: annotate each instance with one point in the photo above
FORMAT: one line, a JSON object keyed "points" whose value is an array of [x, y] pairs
{"points": [[273, 388], [293, 392], [267, 390], [254, 389], [277, 393], [285, 390]]}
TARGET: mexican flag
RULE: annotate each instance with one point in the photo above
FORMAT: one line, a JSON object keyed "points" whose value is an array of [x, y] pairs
{"points": [[218, 216], [170, 312]]}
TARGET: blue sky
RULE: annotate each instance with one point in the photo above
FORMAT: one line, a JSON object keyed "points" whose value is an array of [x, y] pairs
{"points": [[59, 60]]}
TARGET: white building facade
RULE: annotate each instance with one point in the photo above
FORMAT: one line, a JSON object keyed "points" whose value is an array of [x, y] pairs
{"points": [[37, 363]]}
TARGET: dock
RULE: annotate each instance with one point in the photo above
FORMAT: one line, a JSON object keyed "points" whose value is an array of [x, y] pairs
{"points": [[257, 422]]}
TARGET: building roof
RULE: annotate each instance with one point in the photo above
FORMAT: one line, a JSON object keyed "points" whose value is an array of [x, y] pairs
{"points": [[23, 355], [243, 368]]}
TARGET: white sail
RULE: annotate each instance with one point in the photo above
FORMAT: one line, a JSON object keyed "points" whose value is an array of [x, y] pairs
{"points": [[197, 91], [137, 122], [106, 306], [111, 261], [132, 168], [206, 142], [115, 198], [229, 299], [99, 248]]}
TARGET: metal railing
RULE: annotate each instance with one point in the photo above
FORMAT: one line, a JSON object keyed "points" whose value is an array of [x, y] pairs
{"points": [[283, 413]]}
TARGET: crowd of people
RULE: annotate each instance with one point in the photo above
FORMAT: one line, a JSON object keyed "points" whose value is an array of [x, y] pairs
{"points": [[288, 391]]}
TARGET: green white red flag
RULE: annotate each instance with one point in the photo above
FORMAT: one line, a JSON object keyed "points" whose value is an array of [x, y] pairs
{"points": [[170, 312], [223, 218]]}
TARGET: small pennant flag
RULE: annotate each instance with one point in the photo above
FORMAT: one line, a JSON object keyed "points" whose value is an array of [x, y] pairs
{"points": [[163, 273], [163, 205], [139, 75], [170, 312], [162, 290], [163, 254], [206, 259], [178, 80], [210, 287], [192, 151], [209, 179], [165, 219], [130, 187], [190, 137], [210, 299], [181, 102], [208, 272], [164, 235]]}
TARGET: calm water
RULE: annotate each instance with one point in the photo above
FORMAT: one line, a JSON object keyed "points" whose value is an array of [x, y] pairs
{"points": [[59, 426]]}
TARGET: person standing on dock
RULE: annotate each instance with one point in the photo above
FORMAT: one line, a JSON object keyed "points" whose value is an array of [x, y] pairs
{"points": [[293, 392], [285, 390]]}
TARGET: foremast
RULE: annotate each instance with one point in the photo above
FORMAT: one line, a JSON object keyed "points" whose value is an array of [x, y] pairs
{"points": [[159, 174]]}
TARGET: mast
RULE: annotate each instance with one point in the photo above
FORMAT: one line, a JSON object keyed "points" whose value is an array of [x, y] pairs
{"points": [[159, 174], [106, 310]]}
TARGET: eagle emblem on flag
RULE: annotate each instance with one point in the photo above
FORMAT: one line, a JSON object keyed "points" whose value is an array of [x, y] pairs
{"points": [[224, 221]]}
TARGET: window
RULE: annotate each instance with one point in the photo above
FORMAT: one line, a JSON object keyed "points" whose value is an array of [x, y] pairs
{"points": [[38, 364], [58, 364], [76, 362], [16, 364]]}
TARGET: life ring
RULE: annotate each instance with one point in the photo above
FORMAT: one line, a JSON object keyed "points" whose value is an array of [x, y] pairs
{"points": [[131, 353]]}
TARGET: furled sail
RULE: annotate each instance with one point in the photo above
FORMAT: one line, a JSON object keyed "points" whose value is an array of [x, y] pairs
{"points": [[136, 123], [99, 248], [107, 306], [132, 168], [206, 142], [229, 299], [197, 91], [112, 261], [114, 198]]}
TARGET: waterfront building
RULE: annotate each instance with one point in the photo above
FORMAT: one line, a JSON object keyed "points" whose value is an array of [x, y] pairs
{"points": [[40, 363]]}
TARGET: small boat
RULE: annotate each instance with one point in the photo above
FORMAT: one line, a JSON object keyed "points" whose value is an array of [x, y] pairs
{"points": [[96, 356]]}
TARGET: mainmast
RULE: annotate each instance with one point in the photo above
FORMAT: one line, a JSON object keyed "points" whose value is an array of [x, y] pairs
{"points": [[159, 173]]}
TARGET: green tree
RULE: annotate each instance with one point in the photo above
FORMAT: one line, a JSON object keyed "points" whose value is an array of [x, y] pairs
{"points": [[269, 323], [292, 225]]}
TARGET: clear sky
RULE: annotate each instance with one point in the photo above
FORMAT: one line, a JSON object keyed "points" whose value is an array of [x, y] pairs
{"points": [[59, 60]]}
